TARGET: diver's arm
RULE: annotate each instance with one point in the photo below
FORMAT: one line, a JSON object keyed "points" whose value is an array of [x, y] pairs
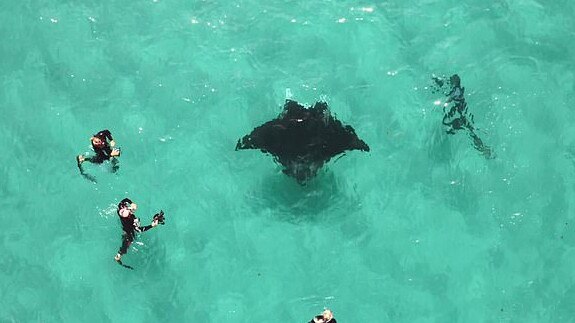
{"points": [[107, 133], [145, 228], [148, 227], [109, 137]]}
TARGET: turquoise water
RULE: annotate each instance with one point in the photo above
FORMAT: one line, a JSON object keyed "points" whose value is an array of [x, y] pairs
{"points": [[421, 229]]}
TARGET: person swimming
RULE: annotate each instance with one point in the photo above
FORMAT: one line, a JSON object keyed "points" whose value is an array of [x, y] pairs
{"points": [[457, 118], [325, 317], [103, 150], [131, 225]]}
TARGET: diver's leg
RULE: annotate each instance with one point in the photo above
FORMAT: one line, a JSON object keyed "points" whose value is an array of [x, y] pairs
{"points": [[115, 165], [127, 240], [80, 159], [452, 111], [478, 143], [98, 158], [449, 124], [461, 108]]}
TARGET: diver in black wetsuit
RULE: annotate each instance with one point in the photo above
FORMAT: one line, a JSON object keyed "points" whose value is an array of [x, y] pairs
{"points": [[325, 317], [131, 226], [457, 117], [104, 151]]}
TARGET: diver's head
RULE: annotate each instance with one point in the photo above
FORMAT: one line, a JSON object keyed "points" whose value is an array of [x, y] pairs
{"points": [[318, 319], [132, 207], [455, 80], [97, 141], [128, 204], [327, 314]]}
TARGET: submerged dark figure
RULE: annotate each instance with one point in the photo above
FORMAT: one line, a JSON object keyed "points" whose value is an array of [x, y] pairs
{"points": [[131, 226], [456, 116], [102, 144], [303, 139]]}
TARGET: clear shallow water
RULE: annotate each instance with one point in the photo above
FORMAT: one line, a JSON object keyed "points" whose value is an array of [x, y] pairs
{"points": [[422, 229]]}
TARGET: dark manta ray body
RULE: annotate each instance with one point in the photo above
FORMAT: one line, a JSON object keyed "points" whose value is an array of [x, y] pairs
{"points": [[302, 140]]}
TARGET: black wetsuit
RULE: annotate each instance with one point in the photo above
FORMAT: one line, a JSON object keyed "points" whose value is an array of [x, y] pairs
{"points": [[104, 151], [130, 225], [320, 317]]}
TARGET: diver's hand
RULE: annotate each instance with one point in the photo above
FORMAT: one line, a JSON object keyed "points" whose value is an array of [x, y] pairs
{"points": [[115, 152]]}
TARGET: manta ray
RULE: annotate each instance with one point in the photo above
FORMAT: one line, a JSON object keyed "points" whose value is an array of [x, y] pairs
{"points": [[303, 139]]}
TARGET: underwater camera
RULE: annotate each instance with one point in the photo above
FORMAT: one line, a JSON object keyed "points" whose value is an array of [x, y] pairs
{"points": [[160, 217]]}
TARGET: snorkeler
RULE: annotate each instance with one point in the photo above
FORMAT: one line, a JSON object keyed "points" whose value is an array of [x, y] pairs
{"points": [[325, 317], [131, 226], [457, 117], [104, 151]]}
